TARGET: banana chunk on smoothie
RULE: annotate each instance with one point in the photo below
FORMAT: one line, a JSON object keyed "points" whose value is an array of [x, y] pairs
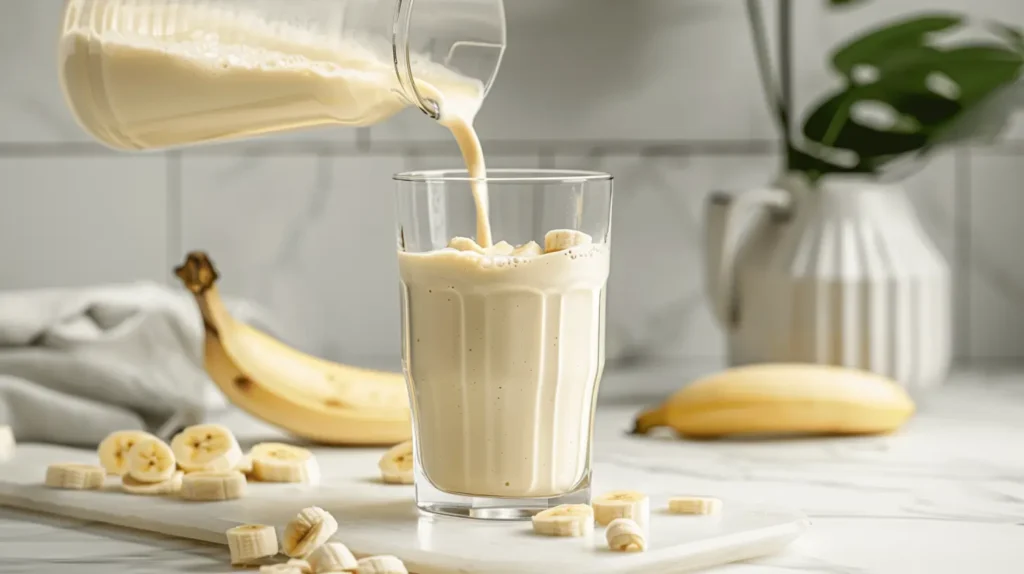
{"points": [[465, 244], [562, 239], [531, 249], [501, 248]]}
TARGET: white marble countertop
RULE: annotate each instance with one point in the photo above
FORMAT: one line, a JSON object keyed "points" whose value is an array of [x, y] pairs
{"points": [[945, 495]]}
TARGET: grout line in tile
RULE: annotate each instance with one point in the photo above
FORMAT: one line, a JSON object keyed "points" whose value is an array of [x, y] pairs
{"points": [[364, 139], [68, 149], [325, 171], [175, 216], [546, 158], [963, 229], [365, 145], [326, 185]]}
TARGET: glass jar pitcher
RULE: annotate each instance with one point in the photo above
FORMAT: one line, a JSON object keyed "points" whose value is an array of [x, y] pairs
{"points": [[149, 74]]}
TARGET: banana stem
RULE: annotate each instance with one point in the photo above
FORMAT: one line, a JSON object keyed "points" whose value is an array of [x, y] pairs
{"points": [[648, 420], [199, 276], [197, 273]]}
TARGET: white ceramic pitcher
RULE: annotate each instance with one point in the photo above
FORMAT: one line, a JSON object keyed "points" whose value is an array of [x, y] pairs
{"points": [[840, 272]]}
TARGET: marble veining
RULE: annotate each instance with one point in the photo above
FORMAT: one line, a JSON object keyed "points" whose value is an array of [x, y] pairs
{"points": [[943, 496]]}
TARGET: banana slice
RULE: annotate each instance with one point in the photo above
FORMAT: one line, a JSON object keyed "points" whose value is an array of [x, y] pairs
{"points": [[209, 486], [244, 465], [251, 542], [293, 566], [565, 520], [280, 569], [75, 476], [530, 249], [625, 535], [381, 565], [465, 244], [621, 504], [209, 448], [396, 464], [169, 486], [562, 239], [151, 460], [500, 248], [694, 505], [278, 462], [7, 443], [307, 531], [333, 557], [113, 451], [300, 565]]}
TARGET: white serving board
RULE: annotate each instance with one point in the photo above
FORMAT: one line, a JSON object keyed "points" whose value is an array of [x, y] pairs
{"points": [[375, 518]]}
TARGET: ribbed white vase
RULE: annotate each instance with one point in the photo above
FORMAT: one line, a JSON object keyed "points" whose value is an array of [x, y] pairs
{"points": [[842, 274]]}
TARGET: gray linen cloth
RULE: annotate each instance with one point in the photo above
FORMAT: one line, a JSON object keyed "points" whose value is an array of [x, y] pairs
{"points": [[77, 364]]}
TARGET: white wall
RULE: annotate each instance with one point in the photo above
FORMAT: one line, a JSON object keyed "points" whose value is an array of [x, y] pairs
{"points": [[662, 93]]}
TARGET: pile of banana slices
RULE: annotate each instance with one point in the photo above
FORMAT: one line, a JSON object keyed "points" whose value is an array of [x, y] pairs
{"points": [[202, 463], [625, 515], [205, 463], [306, 542]]}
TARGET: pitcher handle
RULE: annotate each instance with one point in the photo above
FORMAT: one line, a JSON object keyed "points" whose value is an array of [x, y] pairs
{"points": [[724, 213]]}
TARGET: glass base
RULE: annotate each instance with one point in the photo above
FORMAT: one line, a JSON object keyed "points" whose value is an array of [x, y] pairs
{"points": [[430, 499]]}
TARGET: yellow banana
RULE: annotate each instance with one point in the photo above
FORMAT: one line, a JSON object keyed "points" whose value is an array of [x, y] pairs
{"points": [[308, 396], [782, 399]]}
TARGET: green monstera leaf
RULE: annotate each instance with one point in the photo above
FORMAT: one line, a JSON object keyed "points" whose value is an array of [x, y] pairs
{"points": [[904, 93], [891, 44]]}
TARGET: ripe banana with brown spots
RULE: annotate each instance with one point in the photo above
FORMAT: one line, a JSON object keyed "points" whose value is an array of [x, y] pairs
{"points": [[308, 396]]}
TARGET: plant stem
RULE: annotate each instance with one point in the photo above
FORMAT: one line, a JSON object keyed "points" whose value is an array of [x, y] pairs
{"points": [[762, 54]]}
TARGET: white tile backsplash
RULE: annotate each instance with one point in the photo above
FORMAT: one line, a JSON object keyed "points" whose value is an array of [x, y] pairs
{"points": [[663, 93], [72, 222], [32, 107], [583, 70], [307, 237]]}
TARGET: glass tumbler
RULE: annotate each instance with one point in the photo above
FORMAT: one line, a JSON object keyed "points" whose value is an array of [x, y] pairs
{"points": [[503, 346]]}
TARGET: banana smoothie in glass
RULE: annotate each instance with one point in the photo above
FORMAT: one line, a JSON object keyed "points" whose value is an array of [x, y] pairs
{"points": [[503, 345]]}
